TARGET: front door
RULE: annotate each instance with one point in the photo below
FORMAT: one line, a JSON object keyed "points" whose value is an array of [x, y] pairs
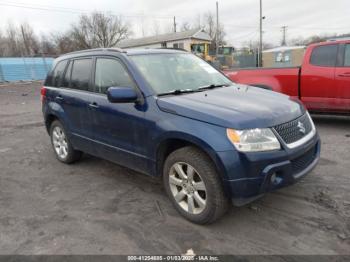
{"points": [[318, 89], [119, 128], [342, 77]]}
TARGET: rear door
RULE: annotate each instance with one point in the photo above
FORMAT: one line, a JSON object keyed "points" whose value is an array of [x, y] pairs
{"points": [[318, 87], [342, 77], [74, 97]]}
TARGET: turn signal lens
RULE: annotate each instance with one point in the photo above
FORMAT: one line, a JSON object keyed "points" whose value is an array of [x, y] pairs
{"points": [[232, 136]]}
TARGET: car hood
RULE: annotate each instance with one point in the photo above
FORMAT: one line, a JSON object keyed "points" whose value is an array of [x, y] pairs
{"points": [[237, 106]]}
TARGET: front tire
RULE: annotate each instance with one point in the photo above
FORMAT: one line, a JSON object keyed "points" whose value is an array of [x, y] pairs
{"points": [[194, 186], [62, 147]]}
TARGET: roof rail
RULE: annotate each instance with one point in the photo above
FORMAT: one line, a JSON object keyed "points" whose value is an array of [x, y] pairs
{"points": [[173, 48], [112, 49]]}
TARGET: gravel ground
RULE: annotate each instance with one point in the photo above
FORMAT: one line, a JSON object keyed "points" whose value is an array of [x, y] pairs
{"points": [[96, 207]]}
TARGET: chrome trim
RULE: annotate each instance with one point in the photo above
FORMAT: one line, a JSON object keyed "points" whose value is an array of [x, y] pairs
{"points": [[305, 138]]}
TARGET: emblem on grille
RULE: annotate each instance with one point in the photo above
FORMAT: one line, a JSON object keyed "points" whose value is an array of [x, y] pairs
{"points": [[301, 127]]}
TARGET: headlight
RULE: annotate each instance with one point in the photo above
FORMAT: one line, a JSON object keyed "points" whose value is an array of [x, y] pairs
{"points": [[253, 140]]}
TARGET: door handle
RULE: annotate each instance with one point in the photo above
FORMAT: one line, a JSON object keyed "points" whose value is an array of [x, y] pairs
{"points": [[344, 75], [59, 98], [93, 105]]}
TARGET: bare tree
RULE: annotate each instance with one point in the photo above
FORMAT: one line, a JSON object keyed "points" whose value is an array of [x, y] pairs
{"points": [[99, 30], [47, 46], [28, 40], [2, 44], [209, 25], [207, 22], [156, 28], [311, 39], [20, 41], [12, 41], [63, 43], [185, 26], [254, 45]]}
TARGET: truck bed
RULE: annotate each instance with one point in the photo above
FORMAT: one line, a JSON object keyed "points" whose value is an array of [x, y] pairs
{"points": [[284, 80]]}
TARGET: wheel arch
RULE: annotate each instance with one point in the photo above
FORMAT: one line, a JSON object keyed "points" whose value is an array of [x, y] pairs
{"points": [[169, 144], [50, 118]]}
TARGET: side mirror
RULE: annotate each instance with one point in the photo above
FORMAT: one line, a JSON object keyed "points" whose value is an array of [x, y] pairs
{"points": [[122, 95]]}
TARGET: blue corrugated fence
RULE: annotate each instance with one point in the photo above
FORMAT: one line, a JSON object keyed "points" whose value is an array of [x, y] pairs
{"points": [[24, 68]]}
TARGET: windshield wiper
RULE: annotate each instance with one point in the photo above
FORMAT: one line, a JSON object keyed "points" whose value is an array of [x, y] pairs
{"points": [[184, 91], [212, 86], [177, 92]]}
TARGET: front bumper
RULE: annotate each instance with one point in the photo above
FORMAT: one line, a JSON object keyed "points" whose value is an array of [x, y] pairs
{"points": [[249, 176]]}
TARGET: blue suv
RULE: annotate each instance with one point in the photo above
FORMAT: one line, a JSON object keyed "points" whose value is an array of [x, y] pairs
{"points": [[168, 113]]}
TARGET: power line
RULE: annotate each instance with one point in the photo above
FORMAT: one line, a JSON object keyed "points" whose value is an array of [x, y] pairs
{"points": [[44, 6], [74, 11], [249, 35]]}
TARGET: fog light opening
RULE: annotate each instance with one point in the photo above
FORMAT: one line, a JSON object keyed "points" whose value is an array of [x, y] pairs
{"points": [[276, 178]]}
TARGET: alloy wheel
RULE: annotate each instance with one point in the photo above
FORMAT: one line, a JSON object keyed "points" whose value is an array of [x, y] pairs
{"points": [[187, 188], [59, 141]]}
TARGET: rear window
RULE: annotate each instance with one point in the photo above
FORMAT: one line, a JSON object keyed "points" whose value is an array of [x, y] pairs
{"points": [[55, 77], [347, 55], [324, 55], [66, 78], [81, 74]]}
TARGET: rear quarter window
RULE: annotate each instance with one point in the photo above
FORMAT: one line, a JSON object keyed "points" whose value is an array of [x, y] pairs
{"points": [[55, 77], [324, 56]]}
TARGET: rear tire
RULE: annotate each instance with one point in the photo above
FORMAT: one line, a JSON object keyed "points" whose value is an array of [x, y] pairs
{"points": [[194, 186], [63, 149]]}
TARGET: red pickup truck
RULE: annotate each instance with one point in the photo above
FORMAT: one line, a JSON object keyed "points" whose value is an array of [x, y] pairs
{"points": [[322, 83]]}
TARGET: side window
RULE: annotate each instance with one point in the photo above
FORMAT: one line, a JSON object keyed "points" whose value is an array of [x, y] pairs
{"points": [[81, 72], [66, 78], [110, 72], [324, 55], [55, 77], [347, 55]]}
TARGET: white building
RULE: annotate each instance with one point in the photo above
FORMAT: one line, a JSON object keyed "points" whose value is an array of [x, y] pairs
{"points": [[182, 40]]}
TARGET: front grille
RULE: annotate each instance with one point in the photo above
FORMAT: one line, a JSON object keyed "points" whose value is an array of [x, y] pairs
{"points": [[290, 132], [303, 161]]}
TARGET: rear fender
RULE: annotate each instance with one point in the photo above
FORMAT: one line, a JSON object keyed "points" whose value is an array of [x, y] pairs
{"points": [[56, 110]]}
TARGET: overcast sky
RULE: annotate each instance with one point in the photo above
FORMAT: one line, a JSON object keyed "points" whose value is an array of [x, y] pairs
{"points": [[239, 17]]}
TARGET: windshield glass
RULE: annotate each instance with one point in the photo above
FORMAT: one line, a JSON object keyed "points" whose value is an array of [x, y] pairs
{"points": [[168, 72]]}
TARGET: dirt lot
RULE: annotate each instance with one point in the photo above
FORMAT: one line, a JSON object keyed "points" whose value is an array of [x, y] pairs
{"points": [[96, 207]]}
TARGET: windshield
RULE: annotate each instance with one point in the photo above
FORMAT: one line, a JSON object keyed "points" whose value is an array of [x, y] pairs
{"points": [[178, 71]]}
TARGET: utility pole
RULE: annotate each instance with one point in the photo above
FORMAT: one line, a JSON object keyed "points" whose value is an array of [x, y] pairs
{"points": [[260, 38], [174, 24], [284, 30], [217, 28]]}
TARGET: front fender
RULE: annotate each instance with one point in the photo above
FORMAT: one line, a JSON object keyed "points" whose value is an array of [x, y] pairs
{"points": [[209, 138]]}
